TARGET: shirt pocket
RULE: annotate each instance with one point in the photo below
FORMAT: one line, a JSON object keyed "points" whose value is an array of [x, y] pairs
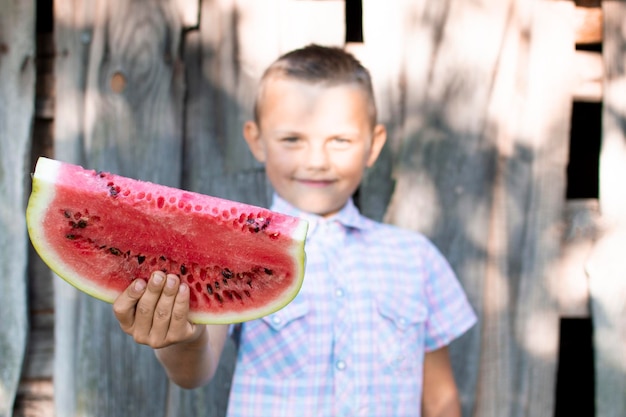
{"points": [[276, 346], [400, 334]]}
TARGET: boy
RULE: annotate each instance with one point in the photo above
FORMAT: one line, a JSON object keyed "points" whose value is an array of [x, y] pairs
{"points": [[367, 333]]}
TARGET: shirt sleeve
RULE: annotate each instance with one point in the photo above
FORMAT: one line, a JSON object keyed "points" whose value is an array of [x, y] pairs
{"points": [[449, 311]]}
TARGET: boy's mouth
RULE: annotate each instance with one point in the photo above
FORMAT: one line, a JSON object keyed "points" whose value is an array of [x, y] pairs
{"points": [[316, 183]]}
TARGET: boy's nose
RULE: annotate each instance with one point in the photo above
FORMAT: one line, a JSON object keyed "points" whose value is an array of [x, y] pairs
{"points": [[318, 157]]}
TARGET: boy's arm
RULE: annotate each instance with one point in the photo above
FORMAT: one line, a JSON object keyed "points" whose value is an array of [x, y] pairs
{"points": [[155, 314], [440, 397], [193, 364]]}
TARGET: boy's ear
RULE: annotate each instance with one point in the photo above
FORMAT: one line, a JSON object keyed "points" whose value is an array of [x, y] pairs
{"points": [[252, 135], [378, 141]]}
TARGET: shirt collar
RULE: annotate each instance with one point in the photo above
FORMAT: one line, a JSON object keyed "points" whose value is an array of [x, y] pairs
{"points": [[349, 216]]}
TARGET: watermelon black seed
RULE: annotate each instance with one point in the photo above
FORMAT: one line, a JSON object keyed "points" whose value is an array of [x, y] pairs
{"points": [[219, 298], [268, 271], [183, 269], [225, 281], [70, 237], [217, 285], [140, 259], [227, 273], [247, 293], [67, 214], [209, 289], [115, 251], [163, 258]]}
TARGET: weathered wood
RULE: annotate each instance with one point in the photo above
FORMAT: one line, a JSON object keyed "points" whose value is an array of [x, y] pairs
{"points": [[582, 228], [607, 267], [541, 150], [17, 87], [494, 393], [588, 77], [35, 399], [588, 25]]}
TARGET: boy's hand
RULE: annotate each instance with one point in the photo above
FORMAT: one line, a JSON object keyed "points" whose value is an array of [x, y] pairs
{"points": [[155, 313]]}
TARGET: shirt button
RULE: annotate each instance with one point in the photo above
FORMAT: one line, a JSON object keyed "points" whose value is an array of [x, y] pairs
{"points": [[339, 292], [341, 365]]}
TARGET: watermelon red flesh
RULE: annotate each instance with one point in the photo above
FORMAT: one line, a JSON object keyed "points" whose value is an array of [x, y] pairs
{"points": [[101, 231]]}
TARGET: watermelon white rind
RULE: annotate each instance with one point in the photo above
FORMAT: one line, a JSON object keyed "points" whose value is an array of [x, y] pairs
{"points": [[100, 231]]}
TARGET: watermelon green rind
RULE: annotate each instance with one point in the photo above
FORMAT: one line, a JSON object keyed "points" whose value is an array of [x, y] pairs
{"points": [[49, 177], [42, 194]]}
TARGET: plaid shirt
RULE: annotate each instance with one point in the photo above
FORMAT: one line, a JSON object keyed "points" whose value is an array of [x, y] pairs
{"points": [[352, 343]]}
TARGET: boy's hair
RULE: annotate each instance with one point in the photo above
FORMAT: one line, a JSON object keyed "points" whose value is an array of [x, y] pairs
{"points": [[325, 65]]}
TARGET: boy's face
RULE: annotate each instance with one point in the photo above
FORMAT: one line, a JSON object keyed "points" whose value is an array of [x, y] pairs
{"points": [[315, 141]]}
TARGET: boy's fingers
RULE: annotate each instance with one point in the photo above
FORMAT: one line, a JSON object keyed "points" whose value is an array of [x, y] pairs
{"points": [[163, 309], [125, 304], [146, 305], [180, 327]]}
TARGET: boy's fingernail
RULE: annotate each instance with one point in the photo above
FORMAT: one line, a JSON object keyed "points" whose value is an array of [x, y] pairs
{"points": [[170, 282], [157, 278], [140, 284]]}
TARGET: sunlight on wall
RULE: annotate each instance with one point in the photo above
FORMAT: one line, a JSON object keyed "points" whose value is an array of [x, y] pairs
{"points": [[541, 336]]}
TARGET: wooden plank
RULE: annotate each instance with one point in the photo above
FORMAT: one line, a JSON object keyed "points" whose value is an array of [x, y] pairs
{"points": [[541, 149], [582, 229], [588, 76], [35, 399], [496, 376], [588, 25], [606, 266], [607, 269], [189, 12], [17, 89], [613, 151], [300, 22], [40, 352]]}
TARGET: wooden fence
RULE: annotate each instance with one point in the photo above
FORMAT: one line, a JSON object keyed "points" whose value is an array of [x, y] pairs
{"points": [[477, 97]]}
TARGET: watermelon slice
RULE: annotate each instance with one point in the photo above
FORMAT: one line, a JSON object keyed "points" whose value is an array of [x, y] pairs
{"points": [[101, 231]]}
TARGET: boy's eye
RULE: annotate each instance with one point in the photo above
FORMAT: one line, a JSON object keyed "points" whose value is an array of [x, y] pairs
{"points": [[341, 142], [290, 139]]}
